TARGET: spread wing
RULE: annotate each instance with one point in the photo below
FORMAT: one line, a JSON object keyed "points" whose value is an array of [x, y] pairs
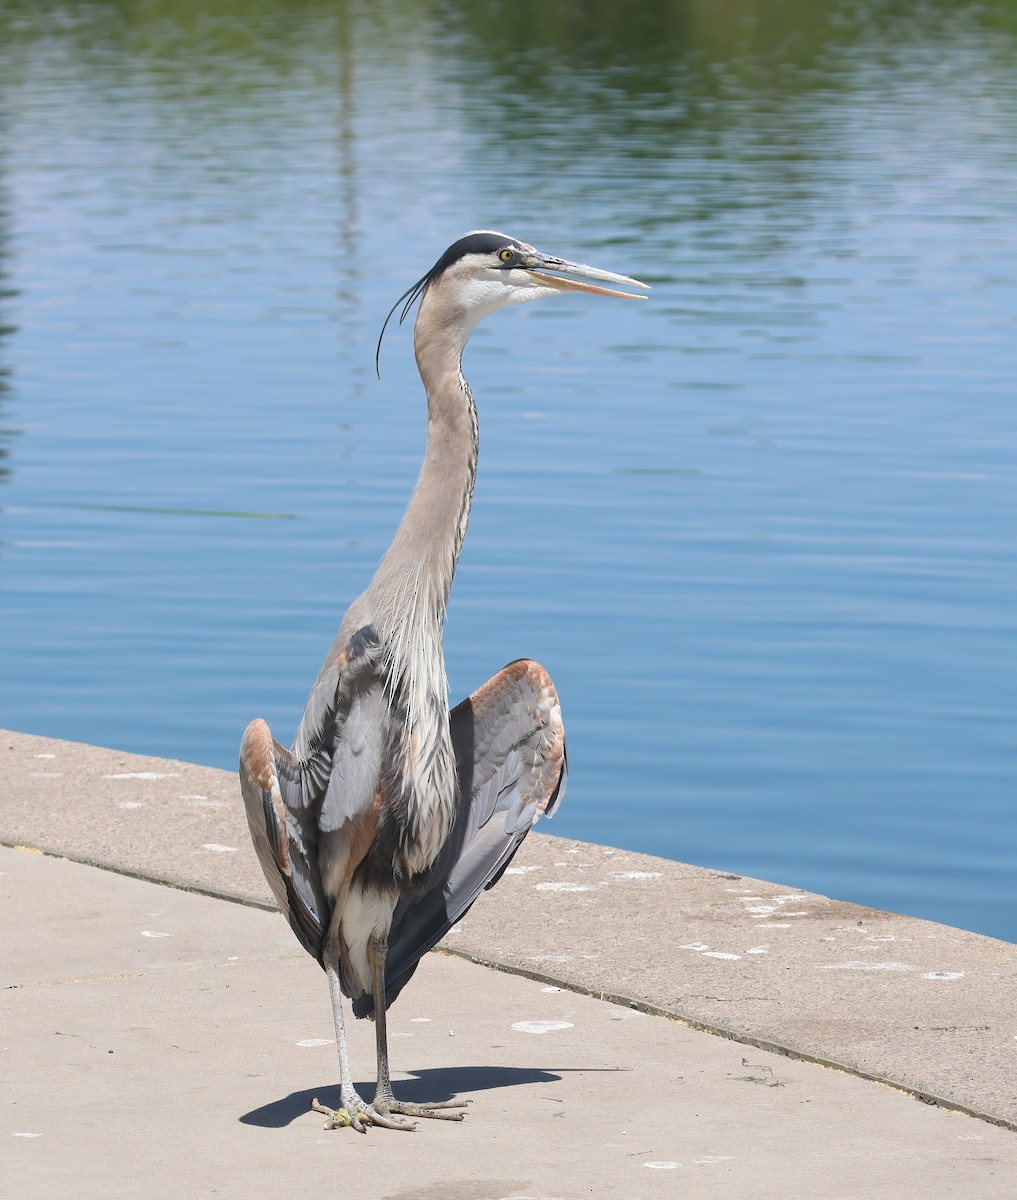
{"points": [[302, 805], [510, 753], [284, 830]]}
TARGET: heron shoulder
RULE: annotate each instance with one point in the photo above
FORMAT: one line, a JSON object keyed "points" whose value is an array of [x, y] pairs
{"points": [[356, 652]]}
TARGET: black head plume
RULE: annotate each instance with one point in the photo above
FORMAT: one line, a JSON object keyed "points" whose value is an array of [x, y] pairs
{"points": [[411, 295], [483, 242]]}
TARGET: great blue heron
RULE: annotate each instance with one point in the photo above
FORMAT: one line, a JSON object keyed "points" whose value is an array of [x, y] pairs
{"points": [[390, 814]]}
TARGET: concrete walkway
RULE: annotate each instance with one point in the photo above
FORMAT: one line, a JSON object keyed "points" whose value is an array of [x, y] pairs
{"points": [[168, 1043]]}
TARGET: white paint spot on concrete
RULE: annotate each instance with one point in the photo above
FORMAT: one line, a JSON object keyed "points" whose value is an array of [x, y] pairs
{"points": [[550, 989], [143, 775], [32, 1134], [943, 975], [760, 907], [775, 925], [310, 1043], [35, 756], [709, 1160], [528, 870], [154, 933], [541, 1026], [395, 1035], [662, 1166], [867, 966], [421, 1020], [561, 887], [881, 937], [217, 849], [233, 958], [704, 949], [635, 874], [758, 950], [131, 804]]}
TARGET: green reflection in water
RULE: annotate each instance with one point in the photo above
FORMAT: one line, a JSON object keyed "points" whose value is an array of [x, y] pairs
{"points": [[535, 49], [712, 107]]}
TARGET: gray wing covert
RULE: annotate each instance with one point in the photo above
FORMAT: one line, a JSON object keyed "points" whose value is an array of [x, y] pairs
{"points": [[510, 753], [296, 800]]}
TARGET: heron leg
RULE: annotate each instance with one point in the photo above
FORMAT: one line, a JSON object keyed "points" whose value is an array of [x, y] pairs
{"points": [[352, 1111], [385, 1104]]}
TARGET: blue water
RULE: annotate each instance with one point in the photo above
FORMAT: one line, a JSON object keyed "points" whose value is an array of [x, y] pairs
{"points": [[761, 529]]}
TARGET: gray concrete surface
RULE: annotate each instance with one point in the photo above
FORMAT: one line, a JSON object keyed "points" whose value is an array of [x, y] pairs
{"points": [[204, 1024], [158, 1043]]}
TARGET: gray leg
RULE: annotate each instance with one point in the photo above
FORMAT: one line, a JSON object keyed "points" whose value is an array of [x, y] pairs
{"points": [[385, 1104], [352, 1111]]}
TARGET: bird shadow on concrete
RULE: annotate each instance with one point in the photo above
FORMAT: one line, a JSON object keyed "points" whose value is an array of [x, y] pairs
{"points": [[442, 1083]]}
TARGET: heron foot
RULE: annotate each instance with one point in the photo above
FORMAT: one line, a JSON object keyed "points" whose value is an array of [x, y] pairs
{"points": [[388, 1104], [357, 1115]]}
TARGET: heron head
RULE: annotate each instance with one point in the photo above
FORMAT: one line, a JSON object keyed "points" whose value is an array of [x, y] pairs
{"points": [[485, 270]]}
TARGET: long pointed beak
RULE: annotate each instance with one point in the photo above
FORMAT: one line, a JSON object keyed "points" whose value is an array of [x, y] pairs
{"points": [[556, 272]]}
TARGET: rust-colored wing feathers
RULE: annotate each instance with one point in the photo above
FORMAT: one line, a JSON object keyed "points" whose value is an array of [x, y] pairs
{"points": [[284, 831], [517, 709]]}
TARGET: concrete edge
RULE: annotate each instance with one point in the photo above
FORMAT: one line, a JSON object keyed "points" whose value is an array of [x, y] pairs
{"points": [[618, 998], [733, 1035]]}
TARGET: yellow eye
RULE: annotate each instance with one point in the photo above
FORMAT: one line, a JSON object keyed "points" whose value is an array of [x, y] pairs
{"points": [[506, 255]]}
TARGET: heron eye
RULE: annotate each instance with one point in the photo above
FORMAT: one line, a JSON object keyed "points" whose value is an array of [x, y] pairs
{"points": [[506, 255]]}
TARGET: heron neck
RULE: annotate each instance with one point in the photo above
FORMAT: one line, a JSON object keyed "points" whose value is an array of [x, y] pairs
{"points": [[408, 596], [421, 562]]}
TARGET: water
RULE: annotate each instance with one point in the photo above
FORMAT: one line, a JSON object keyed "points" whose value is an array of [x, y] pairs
{"points": [[760, 529]]}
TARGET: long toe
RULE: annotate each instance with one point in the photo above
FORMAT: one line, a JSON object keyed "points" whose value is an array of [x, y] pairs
{"points": [[438, 1111], [387, 1120]]}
